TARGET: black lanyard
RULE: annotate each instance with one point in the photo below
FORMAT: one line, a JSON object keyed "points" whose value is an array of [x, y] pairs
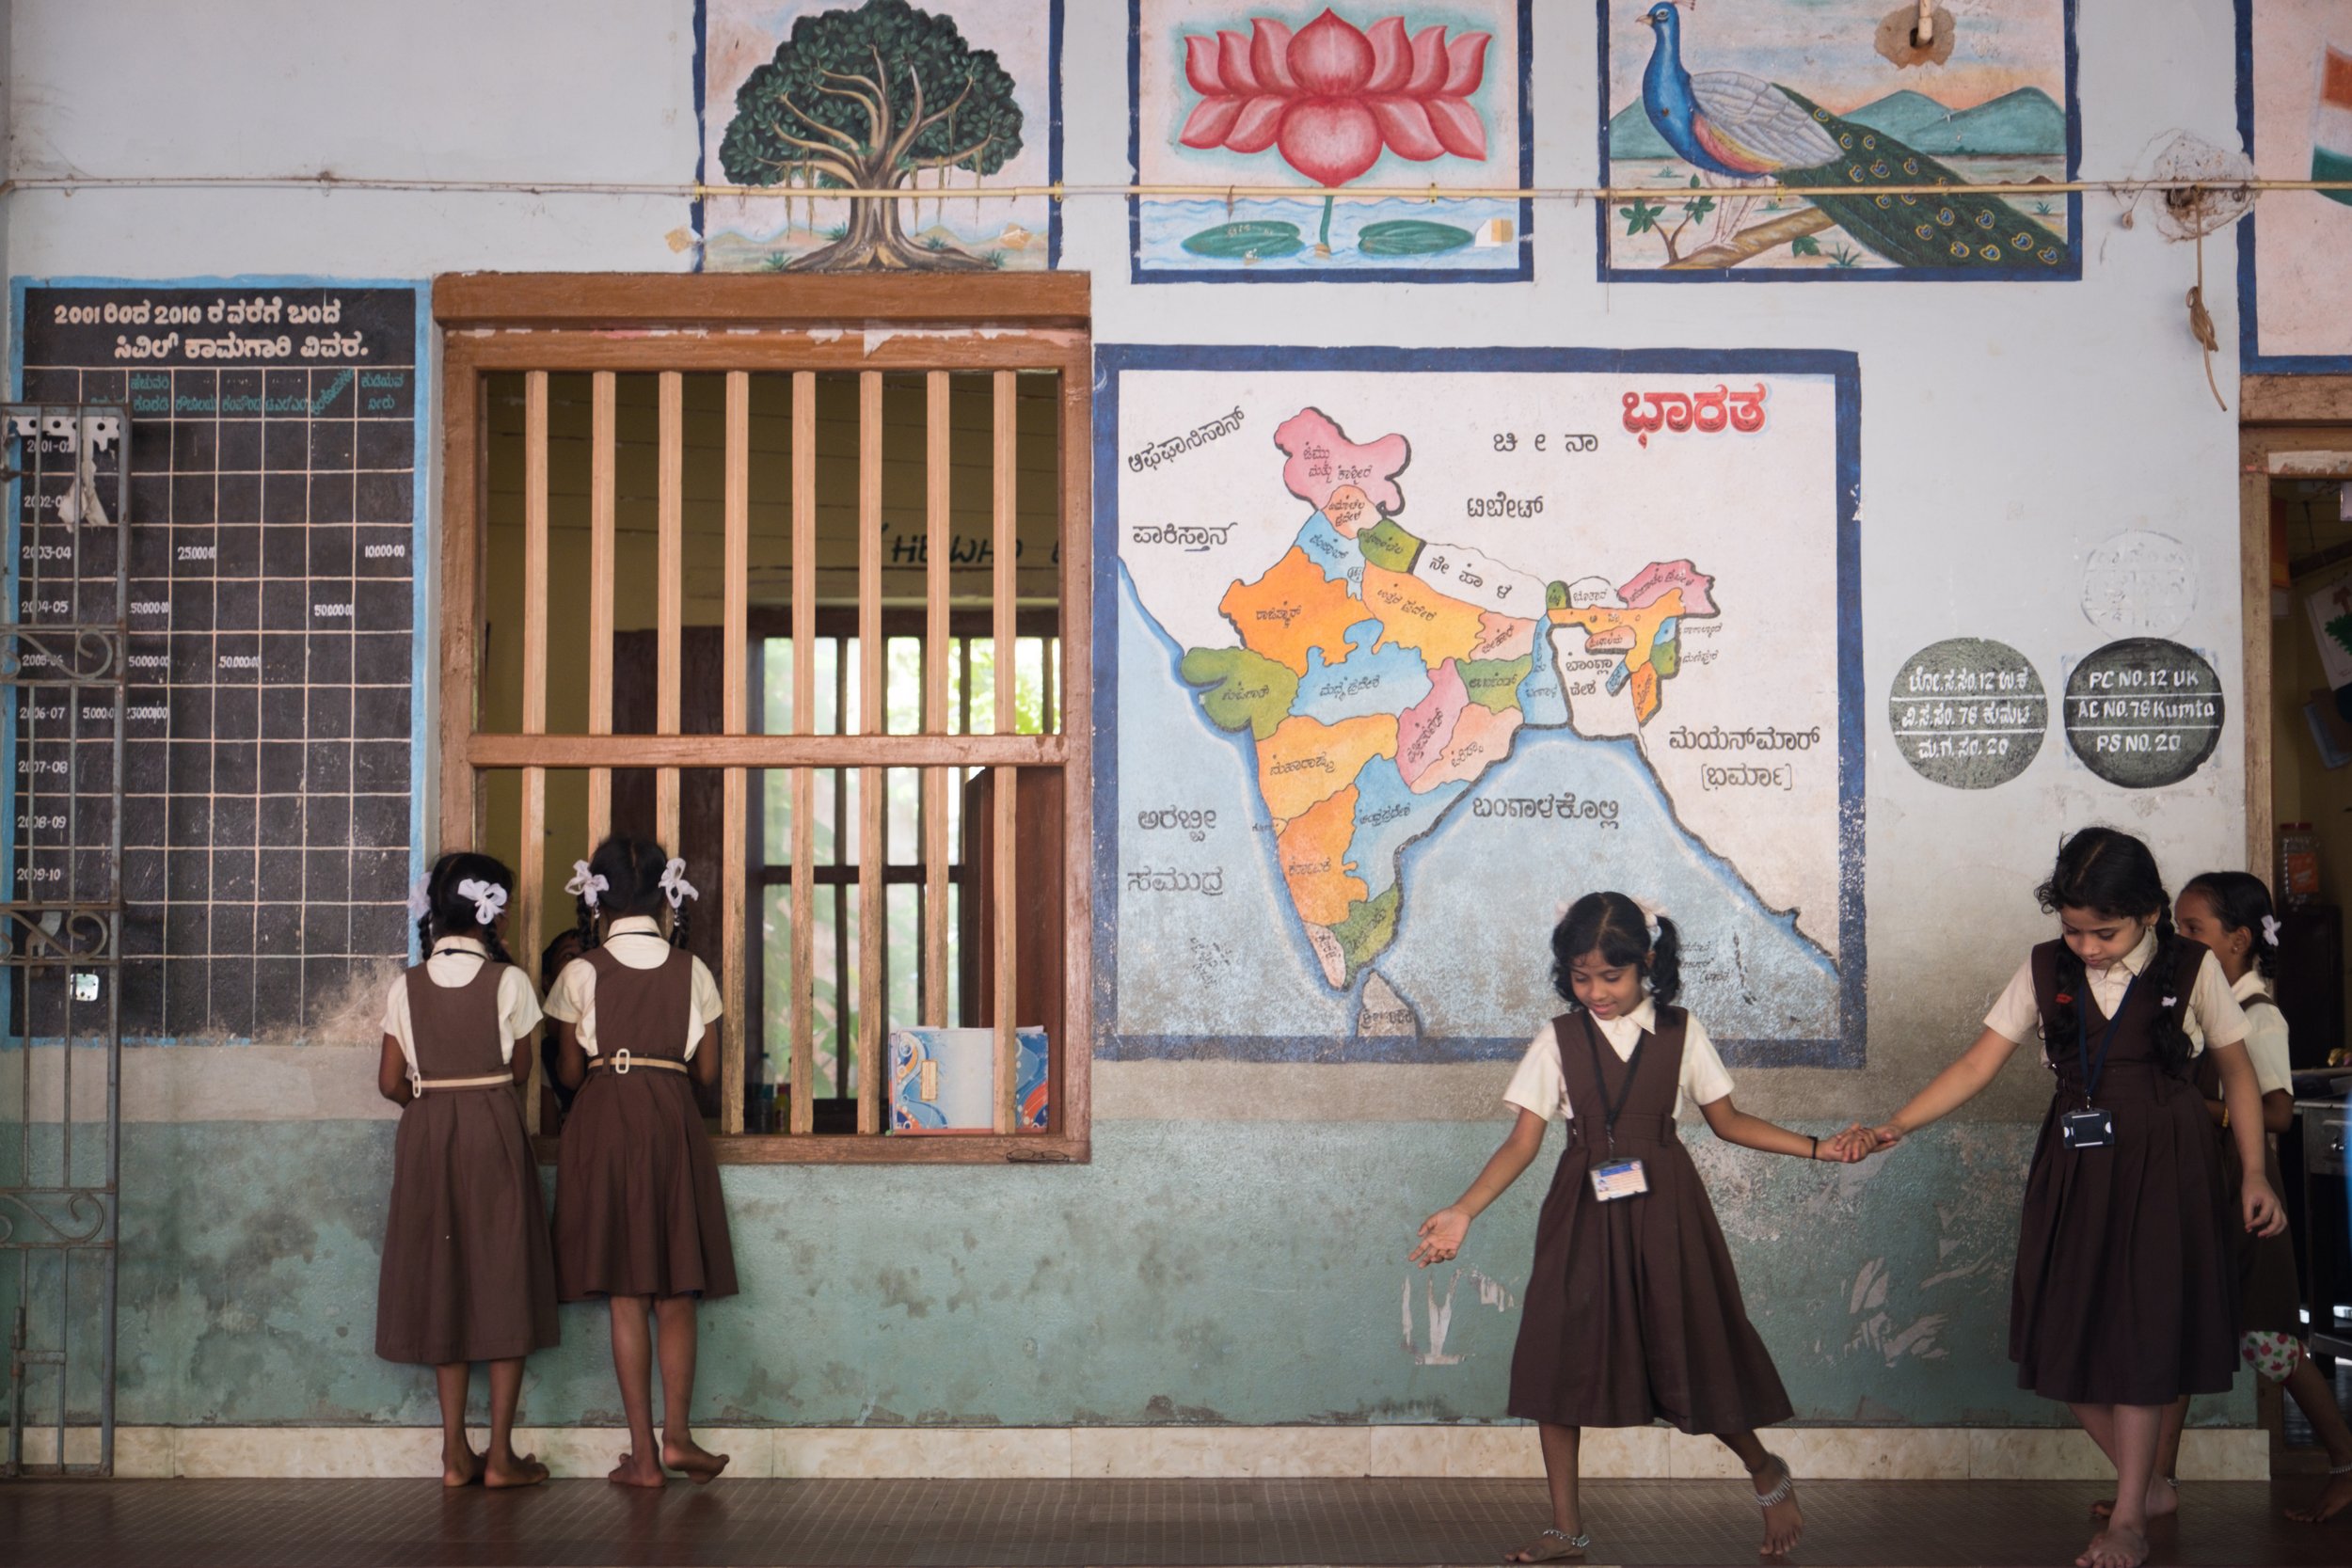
{"points": [[2082, 1035], [461, 952], [1625, 1088]]}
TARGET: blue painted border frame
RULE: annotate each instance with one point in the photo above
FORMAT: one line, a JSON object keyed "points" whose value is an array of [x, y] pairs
{"points": [[1523, 271], [2252, 360], [423, 606], [1112, 360], [2071, 273], [1053, 129]]}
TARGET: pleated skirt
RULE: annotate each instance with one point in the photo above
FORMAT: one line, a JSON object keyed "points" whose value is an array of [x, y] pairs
{"points": [[466, 1274], [638, 1207], [1633, 1311], [2126, 1285]]}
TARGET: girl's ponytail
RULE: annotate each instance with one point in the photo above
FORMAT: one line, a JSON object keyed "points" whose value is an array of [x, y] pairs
{"points": [[2171, 1040], [1665, 965]]}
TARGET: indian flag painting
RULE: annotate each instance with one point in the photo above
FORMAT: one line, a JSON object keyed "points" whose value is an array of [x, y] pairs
{"points": [[2331, 121]]}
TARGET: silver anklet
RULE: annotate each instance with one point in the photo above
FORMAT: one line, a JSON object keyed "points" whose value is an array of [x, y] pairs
{"points": [[1575, 1542], [1780, 1493]]}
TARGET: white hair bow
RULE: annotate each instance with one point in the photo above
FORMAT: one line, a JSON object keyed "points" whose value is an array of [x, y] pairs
{"points": [[488, 898], [2270, 929], [421, 897], [585, 884], [1651, 914], [674, 883]]}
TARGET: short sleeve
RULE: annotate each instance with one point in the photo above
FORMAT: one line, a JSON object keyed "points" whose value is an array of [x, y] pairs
{"points": [[574, 991], [1703, 1079], [518, 1009], [707, 1004], [2016, 1016], [2219, 1016], [2267, 1047], [1538, 1085], [396, 1008]]}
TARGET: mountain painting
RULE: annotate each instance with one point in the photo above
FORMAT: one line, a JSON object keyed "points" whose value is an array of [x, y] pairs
{"points": [[1783, 143]]}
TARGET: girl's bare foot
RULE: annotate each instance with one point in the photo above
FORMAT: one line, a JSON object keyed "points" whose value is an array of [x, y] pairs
{"points": [[2115, 1546], [461, 1472], [513, 1470], [1783, 1522], [2332, 1501], [2164, 1497], [1553, 1546], [698, 1463], [631, 1472]]}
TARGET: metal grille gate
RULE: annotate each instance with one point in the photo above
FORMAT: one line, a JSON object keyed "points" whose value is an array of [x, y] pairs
{"points": [[63, 671]]}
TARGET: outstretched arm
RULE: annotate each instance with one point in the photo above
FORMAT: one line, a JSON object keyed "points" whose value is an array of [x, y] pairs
{"points": [[1735, 1126], [1442, 1232], [1951, 1088]]}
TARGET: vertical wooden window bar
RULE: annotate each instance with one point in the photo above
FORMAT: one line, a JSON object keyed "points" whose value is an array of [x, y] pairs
{"points": [[980, 865]]}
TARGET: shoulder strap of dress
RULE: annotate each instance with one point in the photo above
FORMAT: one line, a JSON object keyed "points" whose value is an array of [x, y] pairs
{"points": [[2260, 999], [602, 961], [2046, 1001]]}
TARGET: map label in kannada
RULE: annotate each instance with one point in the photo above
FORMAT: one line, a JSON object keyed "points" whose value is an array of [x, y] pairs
{"points": [[1968, 713], [2144, 712]]}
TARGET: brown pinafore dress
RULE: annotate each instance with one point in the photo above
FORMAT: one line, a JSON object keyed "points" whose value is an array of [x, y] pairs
{"points": [[1633, 1311], [2269, 1299], [466, 1275], [637, 1206], [2125, 1290]]}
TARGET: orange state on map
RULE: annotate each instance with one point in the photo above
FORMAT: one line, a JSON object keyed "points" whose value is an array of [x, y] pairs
{"points": [[1305, 760], [1313, 852], [1412, 614], [1292, 609]]}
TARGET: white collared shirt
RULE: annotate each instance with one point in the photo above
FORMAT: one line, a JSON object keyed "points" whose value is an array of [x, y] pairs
{"points": [[1538, 1085], [2213, 1012], [454, 962], [573, 998], [2265, 1036]]}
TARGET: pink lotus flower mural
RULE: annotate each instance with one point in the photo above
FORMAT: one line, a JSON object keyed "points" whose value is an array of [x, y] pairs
{"points": [[1333, 97]]}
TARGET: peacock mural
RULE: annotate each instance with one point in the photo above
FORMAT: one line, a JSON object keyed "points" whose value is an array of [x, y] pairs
{"points": [[1711, 140]]}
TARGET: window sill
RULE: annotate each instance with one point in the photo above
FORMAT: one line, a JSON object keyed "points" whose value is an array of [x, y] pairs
{"points": [[875, 1149]]}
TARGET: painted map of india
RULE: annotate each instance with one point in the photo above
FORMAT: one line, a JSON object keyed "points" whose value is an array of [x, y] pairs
{"points": [[1380, 675]]}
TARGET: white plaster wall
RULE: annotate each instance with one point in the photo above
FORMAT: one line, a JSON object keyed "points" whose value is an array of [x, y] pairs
{"points": [[2007, 428]]}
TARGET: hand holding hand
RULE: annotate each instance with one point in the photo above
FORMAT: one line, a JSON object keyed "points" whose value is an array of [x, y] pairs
{"points": [[1886, 1135], [1853, 1145], [1441, 1236]]}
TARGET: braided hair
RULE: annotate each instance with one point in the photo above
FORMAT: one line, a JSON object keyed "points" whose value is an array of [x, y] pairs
{"points": [[2241, 903], [451, 914], [2113, 875], [1614, 926], [631, 868]]}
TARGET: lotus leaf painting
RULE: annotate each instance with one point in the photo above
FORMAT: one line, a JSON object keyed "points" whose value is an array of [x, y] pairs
{"points": [[1396, 662], [803, 97], [1327, 98], [1797, 139], [2295, 110]]}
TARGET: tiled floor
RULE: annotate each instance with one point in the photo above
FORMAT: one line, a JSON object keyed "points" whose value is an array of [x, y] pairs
{"points": [[374, 1524]]}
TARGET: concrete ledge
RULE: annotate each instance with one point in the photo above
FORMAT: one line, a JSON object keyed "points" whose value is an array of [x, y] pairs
{"points": [[991, 1453]]}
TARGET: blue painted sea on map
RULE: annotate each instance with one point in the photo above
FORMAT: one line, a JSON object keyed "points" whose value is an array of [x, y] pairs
{"points": [[1232, 976], [1166, 224]]}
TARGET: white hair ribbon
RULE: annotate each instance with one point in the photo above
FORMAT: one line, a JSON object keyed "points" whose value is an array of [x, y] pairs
{"points": [[2168, 1003], [674, 883], [1651, 916], [2270, 929], [421, 897], [585, 884], [488, 898]]}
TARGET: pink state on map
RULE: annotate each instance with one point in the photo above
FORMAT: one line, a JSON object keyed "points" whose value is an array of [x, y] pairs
{"points": [[1657, 577], [1481, 739], [1423, 729], [1321, 459]]}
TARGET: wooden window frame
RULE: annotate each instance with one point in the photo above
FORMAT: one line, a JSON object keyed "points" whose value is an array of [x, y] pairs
{"points": [[506, 323]]}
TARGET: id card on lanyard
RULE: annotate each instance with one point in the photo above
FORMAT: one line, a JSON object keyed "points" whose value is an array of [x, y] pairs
{"points": [[1615, 1179], [2092, 1126]]}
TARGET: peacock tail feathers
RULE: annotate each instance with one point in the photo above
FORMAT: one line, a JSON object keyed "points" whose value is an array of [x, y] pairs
{"points": [[1960, 229]]}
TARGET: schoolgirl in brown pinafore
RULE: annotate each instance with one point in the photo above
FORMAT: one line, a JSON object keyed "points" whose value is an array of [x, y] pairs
{"points": [[2126, 1287], [641, 1222], [1633, 1311], [466, 1274]]}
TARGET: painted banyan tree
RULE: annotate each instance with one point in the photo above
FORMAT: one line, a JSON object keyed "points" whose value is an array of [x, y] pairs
{"points": [[866, 98], [1331, 97]]}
